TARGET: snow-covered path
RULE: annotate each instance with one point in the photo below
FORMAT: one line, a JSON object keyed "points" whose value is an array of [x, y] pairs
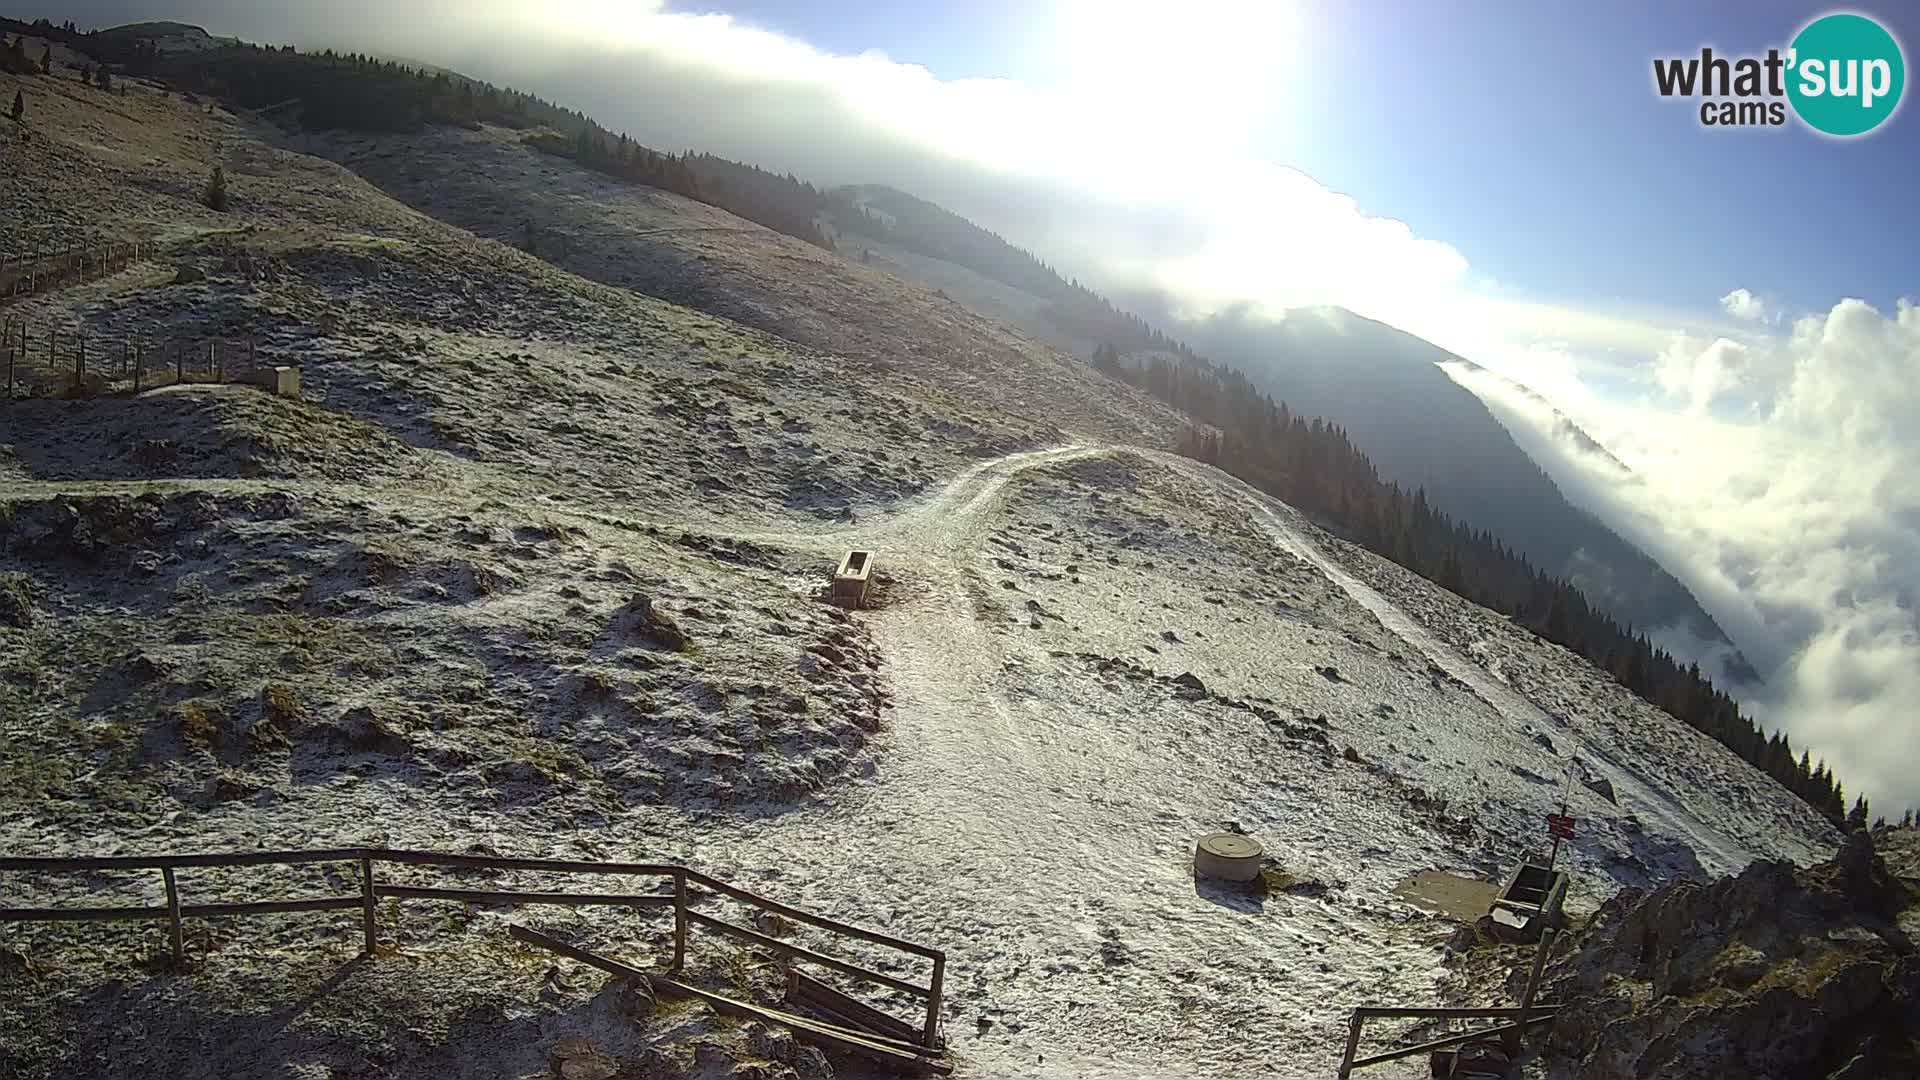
{"points": [[1034, 815], [1045, 843]]}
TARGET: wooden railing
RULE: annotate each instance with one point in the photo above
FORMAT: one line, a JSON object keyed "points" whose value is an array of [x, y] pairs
{"points": [[48, 361], [686, 883], [1519, 1020]]}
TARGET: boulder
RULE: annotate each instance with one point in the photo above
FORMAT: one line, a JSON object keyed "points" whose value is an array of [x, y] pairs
{"points": [[652, 623]]}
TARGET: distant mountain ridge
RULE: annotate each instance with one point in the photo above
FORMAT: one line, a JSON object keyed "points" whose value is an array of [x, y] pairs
{"points": [[1384, 386]]}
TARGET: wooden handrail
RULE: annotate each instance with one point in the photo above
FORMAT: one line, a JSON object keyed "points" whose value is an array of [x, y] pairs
{"points": [[680, 900], [773, 944], [1520, 1019], [822, 922]]}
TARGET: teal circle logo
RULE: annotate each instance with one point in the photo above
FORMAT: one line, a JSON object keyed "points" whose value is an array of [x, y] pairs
{"points": [[1845, 74]]}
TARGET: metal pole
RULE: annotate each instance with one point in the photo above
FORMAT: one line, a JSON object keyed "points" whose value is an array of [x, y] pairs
{"points": [[368, 916], [173, 916]]}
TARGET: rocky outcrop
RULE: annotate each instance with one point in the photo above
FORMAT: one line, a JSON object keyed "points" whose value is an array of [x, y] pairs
{"points": [[1778, 972]]}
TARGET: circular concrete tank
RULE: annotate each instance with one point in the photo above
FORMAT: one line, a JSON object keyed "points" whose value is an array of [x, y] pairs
{"points": [[1227, 856]]}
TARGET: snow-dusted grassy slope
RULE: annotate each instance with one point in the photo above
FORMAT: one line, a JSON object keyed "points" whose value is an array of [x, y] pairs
{"points": [[402, 611]]}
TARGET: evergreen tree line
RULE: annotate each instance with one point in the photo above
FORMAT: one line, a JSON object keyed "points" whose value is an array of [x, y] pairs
{"points": [[783, 204], [1313, 466], [328, 91]]}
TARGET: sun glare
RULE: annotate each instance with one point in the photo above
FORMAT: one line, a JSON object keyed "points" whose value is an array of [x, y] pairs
{"points": [[1207, 69]]}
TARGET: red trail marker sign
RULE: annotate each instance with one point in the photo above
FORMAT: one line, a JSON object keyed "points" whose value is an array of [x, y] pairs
{"points": [[1560, 826]]}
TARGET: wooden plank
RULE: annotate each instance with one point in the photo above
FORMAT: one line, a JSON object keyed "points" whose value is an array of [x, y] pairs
{"points": [[679, 919], [839, 1038], [930, 1037], [783, 948], [1533, 984], [823, 923], [806, 991], [269, 907], [81, 914], [1501, 1032], [574, 952], [173, 915], [369, 916], [1353, 1043], [267, 858], [497, 862], [161, 862], [1503, 1013], [483, 896], [195, 911]]}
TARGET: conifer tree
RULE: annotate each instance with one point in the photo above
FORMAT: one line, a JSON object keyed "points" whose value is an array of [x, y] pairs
{"points": [[216, 194], [19, 106], [1857, 817]]}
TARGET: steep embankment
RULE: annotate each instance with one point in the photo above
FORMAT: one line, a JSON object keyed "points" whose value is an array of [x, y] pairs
{"points": [[407, 610]]}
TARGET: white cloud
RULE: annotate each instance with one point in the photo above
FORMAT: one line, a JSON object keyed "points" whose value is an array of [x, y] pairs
{"points": [[1742, 304], [1794, 517]]}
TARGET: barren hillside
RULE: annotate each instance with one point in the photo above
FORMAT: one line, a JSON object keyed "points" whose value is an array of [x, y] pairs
{"points": [[535, 567]]}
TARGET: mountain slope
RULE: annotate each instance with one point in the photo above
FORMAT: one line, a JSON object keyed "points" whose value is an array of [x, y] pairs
{"points": [[406, 609], [1380, 384]]}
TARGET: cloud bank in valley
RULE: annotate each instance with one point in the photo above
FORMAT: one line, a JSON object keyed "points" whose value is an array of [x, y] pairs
{"points": [[1779, 476], [1771, 467]]}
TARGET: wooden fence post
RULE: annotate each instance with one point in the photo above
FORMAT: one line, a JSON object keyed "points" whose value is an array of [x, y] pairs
{"points": [[1353, 1046], [80, 364], [679, 919], [930, 1038], [179, 362], [369, 918], [139, 364], [173, 916], [1526, 999], [210, 362]]}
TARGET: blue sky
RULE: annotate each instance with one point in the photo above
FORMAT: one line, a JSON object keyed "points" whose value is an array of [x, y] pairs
{"points": [[1528, 136]]}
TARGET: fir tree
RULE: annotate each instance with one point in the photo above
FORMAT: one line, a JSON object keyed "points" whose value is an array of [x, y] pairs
{"points": [[216, 194], [103, 78], [46, 60], [19, 106]]}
